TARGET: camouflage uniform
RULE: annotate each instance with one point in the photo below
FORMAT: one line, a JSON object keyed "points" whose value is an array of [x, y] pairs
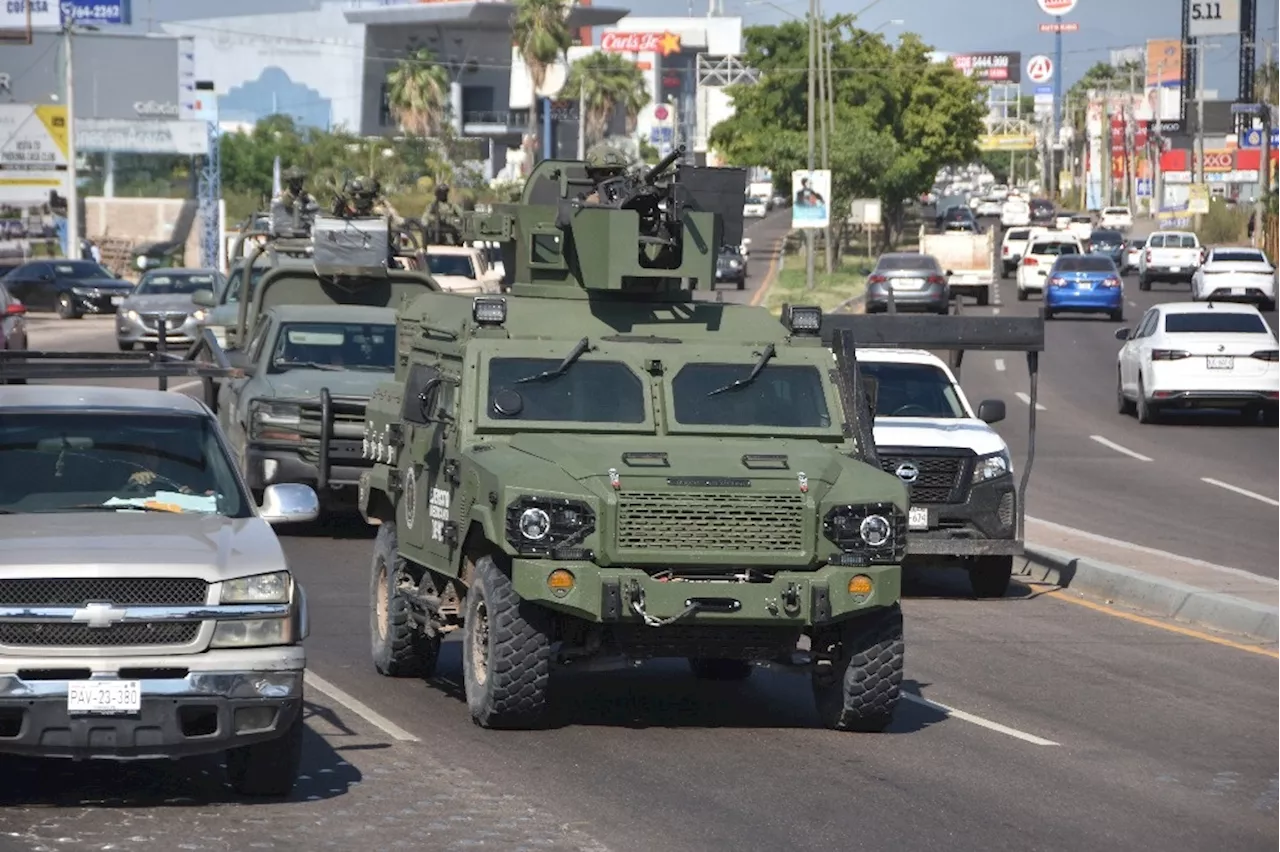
{"points": [[362, 196], [295, 192], [442, 219], [603, 163]]}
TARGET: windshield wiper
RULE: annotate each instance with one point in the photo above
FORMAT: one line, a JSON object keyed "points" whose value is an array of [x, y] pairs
{"points": [[310, 365], [579, 349], [765, 357], [115, 507]]}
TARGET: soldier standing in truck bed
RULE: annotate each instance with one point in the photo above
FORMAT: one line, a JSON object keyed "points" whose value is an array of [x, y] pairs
{"points": [[604, 162], [295, 192], [362, 196], [442, 219]]}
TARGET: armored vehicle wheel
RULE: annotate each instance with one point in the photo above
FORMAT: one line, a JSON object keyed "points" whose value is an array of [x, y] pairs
{"points": [[857, 685], [989, 576], [398, 645], [713, 668], [267, 768], [506, 652]]}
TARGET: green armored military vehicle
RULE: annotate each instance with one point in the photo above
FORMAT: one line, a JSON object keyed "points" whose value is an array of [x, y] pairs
{"points": [[597, 466]]}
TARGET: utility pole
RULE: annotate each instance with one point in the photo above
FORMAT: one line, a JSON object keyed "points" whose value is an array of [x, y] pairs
{"points": [[813, 80], [1198, 165], [1109, 169], [1130, 152], [824, 66], [1264, 166], [1157, 177], [73, 193], [582, 117]]}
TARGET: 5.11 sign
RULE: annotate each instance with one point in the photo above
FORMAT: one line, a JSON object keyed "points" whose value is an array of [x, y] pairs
{"points": [[1213, 18]]}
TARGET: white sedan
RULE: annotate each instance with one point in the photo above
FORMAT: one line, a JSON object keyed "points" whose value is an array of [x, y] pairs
{"points": [[1236, 275], [1188, 355]]}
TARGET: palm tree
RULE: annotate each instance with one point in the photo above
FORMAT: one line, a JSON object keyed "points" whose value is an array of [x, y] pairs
{"points": [[1265, 83], [606, 82], [418, 92], [543, 38]]}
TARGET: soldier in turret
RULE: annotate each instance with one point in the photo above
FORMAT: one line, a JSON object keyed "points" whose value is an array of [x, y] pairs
{"points": [[362, 196], [295, 192], [604, 162], [442, 219]]}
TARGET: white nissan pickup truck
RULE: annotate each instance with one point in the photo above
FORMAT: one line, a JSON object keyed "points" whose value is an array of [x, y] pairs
{"points": [[956, 466]]}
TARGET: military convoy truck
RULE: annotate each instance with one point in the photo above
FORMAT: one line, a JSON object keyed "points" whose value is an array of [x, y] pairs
{"points": [[597, 468]]}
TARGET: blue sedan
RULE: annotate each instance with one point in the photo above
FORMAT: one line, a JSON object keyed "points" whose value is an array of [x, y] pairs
{"points": [[1084, 283]]}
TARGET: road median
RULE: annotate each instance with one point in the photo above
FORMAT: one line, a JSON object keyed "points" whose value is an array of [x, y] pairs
{"points": [[1157, 595]]}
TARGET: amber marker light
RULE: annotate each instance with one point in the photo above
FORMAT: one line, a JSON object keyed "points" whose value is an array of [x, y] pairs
{"points": [[860, 587], [560, 582]]}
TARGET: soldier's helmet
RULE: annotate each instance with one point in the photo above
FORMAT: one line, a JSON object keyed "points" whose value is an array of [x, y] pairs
{"points": [[361, 187], [606, 160], [442, 192]]}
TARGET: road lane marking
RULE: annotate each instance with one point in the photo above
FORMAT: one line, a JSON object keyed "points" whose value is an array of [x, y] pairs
{"points": [[1151, 551], [995, 312], [1000, 365], [1026, 400], [364, 711], [1062, 595], [1243, 491], [1112, 445], [977, 720]]}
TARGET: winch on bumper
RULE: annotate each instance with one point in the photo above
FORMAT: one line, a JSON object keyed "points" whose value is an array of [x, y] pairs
{"points": [[790, 598], [189, 704]]}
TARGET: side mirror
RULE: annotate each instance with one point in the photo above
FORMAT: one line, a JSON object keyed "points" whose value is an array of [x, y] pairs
{"points": [[14, 309], [204, 298], [948, 273], [289, 503], [991, 410], [1122, 334]]}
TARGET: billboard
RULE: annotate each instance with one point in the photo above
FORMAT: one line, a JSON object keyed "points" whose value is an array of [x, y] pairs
{"points": [[1007, 142], [1163, 101], [48, 15], [990, 67], [811, 193], [33, 152]]}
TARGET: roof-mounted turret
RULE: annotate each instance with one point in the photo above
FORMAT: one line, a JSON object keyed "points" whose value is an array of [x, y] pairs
{"points": [[591, 226]]}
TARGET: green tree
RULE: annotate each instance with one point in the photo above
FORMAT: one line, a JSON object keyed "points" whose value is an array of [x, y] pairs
{"points": [[542, 37], [1266, 81], [607, 82], [899, 117]]}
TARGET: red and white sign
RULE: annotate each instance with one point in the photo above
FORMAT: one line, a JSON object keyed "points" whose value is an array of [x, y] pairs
{"points": [[664, 43], [1060, 27], [1040, 69], [661, 113], [1056, 7]]}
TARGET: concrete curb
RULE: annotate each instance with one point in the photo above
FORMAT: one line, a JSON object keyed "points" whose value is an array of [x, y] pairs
{"points": [[1153, 595]]}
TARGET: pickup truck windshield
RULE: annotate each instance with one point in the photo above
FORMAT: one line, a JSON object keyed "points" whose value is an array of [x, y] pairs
{"points": [[236, 282], [451, 264], [785, 396], [343, 345], [587, 392], [82, 461], [913, 390]]}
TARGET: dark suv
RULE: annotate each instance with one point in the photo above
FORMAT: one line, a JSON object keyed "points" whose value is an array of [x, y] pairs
{"points": [[1042, 212]]}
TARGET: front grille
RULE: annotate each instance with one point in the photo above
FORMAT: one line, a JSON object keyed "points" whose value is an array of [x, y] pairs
{"points": [[1005, 511], [348, 419], [172, 322], [121, 591], [81, 635], [941, 478], [692, 521]]}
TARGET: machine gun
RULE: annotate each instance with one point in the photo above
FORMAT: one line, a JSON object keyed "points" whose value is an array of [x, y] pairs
{"points": [[656, 233]]}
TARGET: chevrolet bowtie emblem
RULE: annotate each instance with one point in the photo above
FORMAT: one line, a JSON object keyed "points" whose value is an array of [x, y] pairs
{"points": [[98, 615]]}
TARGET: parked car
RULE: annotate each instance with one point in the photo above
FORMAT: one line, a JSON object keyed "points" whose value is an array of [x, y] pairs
{"points": [[917, 282], [73, 288], [1084, 283], [1198, 355], [1236, 275], [165, 294]]}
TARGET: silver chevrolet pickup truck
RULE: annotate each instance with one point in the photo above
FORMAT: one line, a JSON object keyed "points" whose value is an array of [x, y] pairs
{"points": [[146, 607]]}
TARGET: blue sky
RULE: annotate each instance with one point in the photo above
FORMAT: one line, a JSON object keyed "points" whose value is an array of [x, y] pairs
{"points": [[953, 26]]}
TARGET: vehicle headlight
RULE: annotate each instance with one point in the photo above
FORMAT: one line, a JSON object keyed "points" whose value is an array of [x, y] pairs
{"points": [[275, 421], [260, 588], [85, 291], [254, 633], [874, 532], [554, 526], [132, 315], [991, 467], [199, 316]]}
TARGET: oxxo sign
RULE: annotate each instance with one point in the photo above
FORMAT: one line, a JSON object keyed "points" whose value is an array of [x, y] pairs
{"points": [[1219, 161], [155, 109], [1056, 7]]}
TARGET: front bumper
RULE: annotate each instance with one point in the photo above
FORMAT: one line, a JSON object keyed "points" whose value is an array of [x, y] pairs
{"points": [[793, 599], [986, 524], [129, 330], [932, 297], [269, 464], [97, 303], [183, 713]]}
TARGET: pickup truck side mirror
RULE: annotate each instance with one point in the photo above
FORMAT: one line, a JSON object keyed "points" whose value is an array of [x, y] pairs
{"points": [[289, 503], [949, 273], [1122, 334], [204, 298], [991, 410]]}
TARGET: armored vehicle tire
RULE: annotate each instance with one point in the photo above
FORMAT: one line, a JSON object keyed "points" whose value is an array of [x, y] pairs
{"points": [[267, 768], [399, 648], [715, 668], [861, 687], [506, 652], [989, 576]]}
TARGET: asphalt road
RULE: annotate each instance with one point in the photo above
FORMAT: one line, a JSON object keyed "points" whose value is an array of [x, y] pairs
{"points": [[1035, 723]]}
